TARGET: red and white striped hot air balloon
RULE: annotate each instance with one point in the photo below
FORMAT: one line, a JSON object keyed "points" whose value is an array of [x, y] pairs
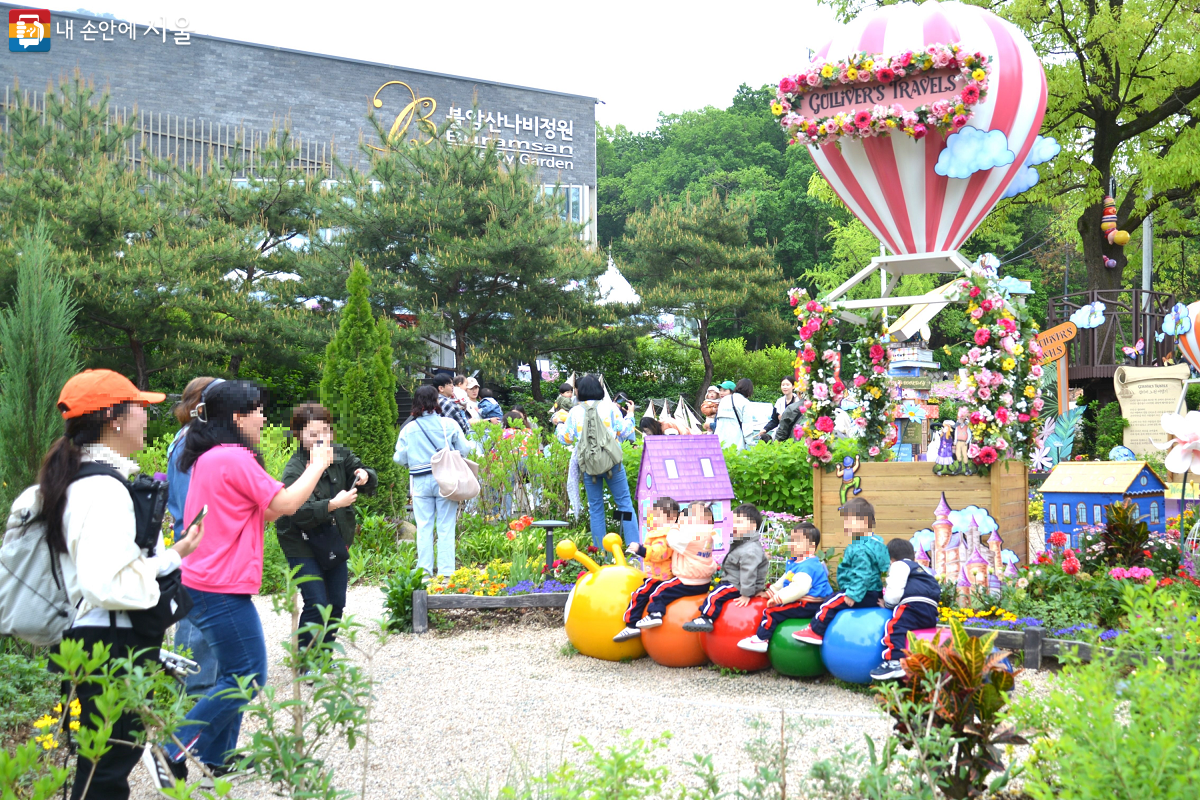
{"points": [[889, 182], [1189, 343]]}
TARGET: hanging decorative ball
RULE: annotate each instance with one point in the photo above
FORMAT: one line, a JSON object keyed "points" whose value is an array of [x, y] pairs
{"points": [[1108, 224], [1119, 238], [1110, 262]]}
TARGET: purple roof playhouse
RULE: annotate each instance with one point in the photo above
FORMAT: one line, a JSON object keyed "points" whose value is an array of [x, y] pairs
{"points": [[686, 469]]}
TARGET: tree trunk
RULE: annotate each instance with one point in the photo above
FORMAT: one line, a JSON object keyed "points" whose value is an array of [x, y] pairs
{"points": [[460, 351], [141, 370], [706, 357], [235, 364], [1110, 279], [535, 378]]}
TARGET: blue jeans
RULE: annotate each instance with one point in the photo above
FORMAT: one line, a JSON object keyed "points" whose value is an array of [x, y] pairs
{"points": [[328, 590], [618, 486], [189, 636], [234, 632], [432, 510]]}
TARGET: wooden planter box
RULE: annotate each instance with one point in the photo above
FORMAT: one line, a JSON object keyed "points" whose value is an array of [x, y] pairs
{"points": [[423, 601], [905, 494]]}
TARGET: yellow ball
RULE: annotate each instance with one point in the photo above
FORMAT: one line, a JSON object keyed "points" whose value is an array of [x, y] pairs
{"points": [[1107, 226], [1121, 238]]}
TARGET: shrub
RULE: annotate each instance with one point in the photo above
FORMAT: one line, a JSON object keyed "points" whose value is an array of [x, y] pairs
{"points": [[1109, 430], [398, 592], [774, 476], [26, 692]]}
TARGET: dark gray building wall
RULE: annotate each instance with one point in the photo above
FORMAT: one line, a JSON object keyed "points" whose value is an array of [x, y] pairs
{"points": [[323, 98]]}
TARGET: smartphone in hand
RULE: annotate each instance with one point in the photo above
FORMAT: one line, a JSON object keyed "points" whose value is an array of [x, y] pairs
{"points": [[195, 519]]}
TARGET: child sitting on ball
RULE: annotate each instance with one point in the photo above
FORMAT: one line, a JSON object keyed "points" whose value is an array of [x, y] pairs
{"points": [[743, 573], [656, 563], [913, 593], [860, 573], [799, 593], [692, 565]]}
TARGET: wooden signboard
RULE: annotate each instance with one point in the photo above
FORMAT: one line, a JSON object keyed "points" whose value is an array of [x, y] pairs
{"points": [[1054, 348], [905, 495], [1145, 394]]}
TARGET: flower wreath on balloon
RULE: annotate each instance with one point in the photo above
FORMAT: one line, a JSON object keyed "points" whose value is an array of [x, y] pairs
{"points": [[998, 381], [944, 115], [840, 416]]}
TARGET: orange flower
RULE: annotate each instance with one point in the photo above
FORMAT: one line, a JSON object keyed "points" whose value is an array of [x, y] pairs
{"points": [[511, 535], [515, 525]]}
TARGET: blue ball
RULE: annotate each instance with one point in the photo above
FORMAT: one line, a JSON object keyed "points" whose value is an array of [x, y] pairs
{"points": [[853, 643]]}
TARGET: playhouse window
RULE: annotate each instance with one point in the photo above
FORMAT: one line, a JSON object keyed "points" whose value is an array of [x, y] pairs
{"points": [[1066, 514], [1154, 512], [717, 510], [672, 472], [1097, 518], [1081, 514], [1053, 514], [649, 481], [706, 467]]}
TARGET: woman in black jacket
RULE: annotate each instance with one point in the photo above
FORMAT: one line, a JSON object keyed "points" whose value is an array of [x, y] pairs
{"points": [[318, 535]]}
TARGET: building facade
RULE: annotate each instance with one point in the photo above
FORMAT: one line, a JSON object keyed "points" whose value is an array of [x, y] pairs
{"points": [[194, 97]]}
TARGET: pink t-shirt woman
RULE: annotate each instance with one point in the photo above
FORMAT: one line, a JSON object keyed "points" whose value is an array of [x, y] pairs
{"points": [[237, 492]]}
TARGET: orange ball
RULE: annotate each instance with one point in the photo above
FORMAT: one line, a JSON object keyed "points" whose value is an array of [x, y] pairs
{"points": [[734, 624], [669, 644]]}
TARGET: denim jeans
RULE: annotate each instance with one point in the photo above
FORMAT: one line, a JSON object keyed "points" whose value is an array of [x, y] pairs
{"points": [[328, 590], [618, 486], [234, 632], [432, 510], [189, 636]]}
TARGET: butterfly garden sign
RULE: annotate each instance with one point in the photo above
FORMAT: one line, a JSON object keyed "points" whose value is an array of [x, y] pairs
{"points": [[1145, 394]]}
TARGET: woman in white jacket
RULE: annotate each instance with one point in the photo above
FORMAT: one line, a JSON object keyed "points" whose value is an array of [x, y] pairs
{"points": [[91, 523], [734, 426]]}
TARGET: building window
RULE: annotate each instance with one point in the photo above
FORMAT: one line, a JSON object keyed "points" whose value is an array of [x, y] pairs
{"points": [[672, 471], [1066, 514], [1154, 512], [706, 467], [1097, 517], [1053, 513], [571, 200], [1081, 514]]}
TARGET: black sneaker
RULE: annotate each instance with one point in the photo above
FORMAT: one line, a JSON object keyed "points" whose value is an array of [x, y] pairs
{"points": [[698, 625], [888, 671], [163, 771]]}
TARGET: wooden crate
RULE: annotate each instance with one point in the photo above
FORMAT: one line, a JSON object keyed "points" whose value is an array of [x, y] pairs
{"points": [[905, 494]]}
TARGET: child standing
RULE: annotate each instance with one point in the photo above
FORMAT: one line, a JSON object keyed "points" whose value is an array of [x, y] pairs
{"points": [[743, 573], [799, 593], [656, 563], [692, 566], [860, 573], [914, 594]]}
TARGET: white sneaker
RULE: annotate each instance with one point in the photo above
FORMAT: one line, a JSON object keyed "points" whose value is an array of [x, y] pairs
{"points": [[650, 621], [754, 644], [627, 633]]}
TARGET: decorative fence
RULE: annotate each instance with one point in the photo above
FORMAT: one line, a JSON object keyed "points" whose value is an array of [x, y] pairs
{"points": [[1129, 315], [189, 141]]}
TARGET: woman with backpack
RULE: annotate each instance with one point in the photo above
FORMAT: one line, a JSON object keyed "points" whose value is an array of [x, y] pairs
{"points": [[92, 523], [734, 425], [595, 427], [424, 434], [229, 483]]}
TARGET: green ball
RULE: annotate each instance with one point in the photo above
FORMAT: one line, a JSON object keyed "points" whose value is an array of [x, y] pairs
{"points": [[792, 657]]}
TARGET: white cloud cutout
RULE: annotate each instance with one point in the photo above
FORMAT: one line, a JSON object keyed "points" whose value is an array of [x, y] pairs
{"points": [[971, 150]]}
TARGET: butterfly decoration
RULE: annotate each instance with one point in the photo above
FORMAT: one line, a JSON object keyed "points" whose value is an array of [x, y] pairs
{"points": [[1158, 337], [1133, 352], [1089, 316], [1177, 321]]}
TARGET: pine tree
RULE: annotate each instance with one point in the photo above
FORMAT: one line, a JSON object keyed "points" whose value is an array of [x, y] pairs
{"points": [[37, 355], [358, 384], [695, 260]]}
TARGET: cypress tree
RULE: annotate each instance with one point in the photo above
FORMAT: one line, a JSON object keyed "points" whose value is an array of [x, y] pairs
{"points": [[37, 355], [358, 384]]}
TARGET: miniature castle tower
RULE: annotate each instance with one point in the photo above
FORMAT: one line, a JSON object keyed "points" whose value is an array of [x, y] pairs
{"points": [[995, 544], [964, 588], [922, 557], [941, 539], [977, 568], [972, 539], [1011, 570], [995, 588], [952, 553]]}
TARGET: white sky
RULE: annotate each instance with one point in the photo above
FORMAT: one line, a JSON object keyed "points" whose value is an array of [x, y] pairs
{"points": [[640, 58]]}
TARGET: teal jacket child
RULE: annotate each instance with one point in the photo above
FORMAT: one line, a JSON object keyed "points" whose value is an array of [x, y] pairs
{"points": [[862, 567]]}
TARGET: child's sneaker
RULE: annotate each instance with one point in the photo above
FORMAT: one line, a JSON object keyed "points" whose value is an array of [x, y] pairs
{"points": [[753, 643], [808, 637], [627, 633], [888, 671], [650, 621], [163, 772], [698, 625]]}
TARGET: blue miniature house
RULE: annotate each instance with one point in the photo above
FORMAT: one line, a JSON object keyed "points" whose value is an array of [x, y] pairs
{"points": [[1075, 494], [686, 469]]}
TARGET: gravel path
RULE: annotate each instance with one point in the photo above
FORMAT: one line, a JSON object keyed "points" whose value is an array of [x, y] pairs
{"points": [[460, 706]]}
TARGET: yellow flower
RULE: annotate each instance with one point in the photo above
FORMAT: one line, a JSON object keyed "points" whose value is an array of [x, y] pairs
{"points": [[874, 392], [73, 725], [827, 71], [45, 721], [960, 109], [978, 75], [47, 741], [946, 349], [852, 74], [891, 123], [776, 109], [1007, 364], [58, 708], [1018, 349], [868, 64], [75, 707], [1030, 391]]}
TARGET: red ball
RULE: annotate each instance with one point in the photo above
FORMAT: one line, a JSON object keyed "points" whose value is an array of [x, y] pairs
{"points": [[669, 644], [734, 624]]}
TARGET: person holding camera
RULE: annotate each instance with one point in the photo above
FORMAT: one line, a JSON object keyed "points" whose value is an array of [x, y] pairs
{"points": [[318, 536], [111, 565]]}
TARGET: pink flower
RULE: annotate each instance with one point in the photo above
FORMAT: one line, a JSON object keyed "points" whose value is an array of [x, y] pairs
{"points": [[984, 393], [974, 353], [987, 455], [885, 75], [963, 360], [862, 119], [1070, 566], [918, 131], [1008, 344], [809, 354], [829, 356], [985, 304], [838, 388], [859, 380], [972, 451], [977, 313], [861, 422], [813, 79], [903, 59], [970, 95], [1022, 418], [787, 85], [812, 305], [873, 451], [1058, 539], [1038, 403], [1008, 325], [976, 418], [876, 352], [818, 449], [825, 424], [1035, 371], [941, 58], [1006, 398], [1001, 443], [940, 108], [1002, 415], [982, 335], [960, 121], [820, 391], [877, 369], [974, 291]]}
